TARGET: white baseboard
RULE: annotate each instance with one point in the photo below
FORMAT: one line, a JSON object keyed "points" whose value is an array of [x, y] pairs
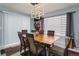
{"points": [[12, 45], [1, 47]]}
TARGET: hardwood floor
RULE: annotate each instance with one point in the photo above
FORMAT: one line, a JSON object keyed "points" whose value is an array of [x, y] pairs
{"points": [[59, 51], [72, 53], [9, 51], [14, 51]]}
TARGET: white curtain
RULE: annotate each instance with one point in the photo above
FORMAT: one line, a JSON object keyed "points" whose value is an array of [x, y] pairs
{"points": [[14, 22], [1, 30]]}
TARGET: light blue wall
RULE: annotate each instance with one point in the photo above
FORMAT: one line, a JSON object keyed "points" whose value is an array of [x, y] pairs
{"points": [[32, 24], [75, 18]]}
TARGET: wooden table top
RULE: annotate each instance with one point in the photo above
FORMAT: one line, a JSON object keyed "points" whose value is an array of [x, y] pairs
{"points": [[45, 39]]}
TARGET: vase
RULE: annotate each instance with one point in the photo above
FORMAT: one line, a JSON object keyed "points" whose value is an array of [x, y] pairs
{"points": [[37, 33]]}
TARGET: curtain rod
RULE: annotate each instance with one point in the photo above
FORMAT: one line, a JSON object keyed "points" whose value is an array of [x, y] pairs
{"points": [[61, 14], [71, 12]]}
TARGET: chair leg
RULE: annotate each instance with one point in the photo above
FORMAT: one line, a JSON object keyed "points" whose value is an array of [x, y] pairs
{"points": [[29, 53], [20, 49], [24, 49], [49, 53]]}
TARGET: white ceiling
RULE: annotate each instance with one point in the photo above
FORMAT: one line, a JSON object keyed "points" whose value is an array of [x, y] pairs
{"points": [[26, 7]]}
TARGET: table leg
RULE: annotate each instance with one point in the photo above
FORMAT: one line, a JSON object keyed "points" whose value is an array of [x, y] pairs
{"points": [[47, 51]]}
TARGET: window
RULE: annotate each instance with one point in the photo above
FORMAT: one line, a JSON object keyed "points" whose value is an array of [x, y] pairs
{"points": [[57, 24]]}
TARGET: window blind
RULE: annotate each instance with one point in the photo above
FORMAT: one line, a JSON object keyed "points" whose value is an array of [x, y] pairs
{"points": [[57, 24]]}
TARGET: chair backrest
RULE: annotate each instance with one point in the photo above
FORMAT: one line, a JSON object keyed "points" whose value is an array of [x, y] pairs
{"points": [[24, 35], [20, 37], [24, 31], [51, 33], [31, 43], [33, 31], [67, 46]]}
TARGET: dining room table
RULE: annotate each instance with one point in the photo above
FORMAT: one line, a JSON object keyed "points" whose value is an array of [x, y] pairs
{"points": [[46, 40]]}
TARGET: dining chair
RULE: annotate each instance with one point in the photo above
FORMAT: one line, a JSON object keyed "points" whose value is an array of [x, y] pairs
{"points": [[59, 51], [33, 31], [24, 31], [23, 42], [51, 33], [35, 49]]}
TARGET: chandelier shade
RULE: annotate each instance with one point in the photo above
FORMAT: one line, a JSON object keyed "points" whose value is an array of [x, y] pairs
{"points": [[37, 10]]}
